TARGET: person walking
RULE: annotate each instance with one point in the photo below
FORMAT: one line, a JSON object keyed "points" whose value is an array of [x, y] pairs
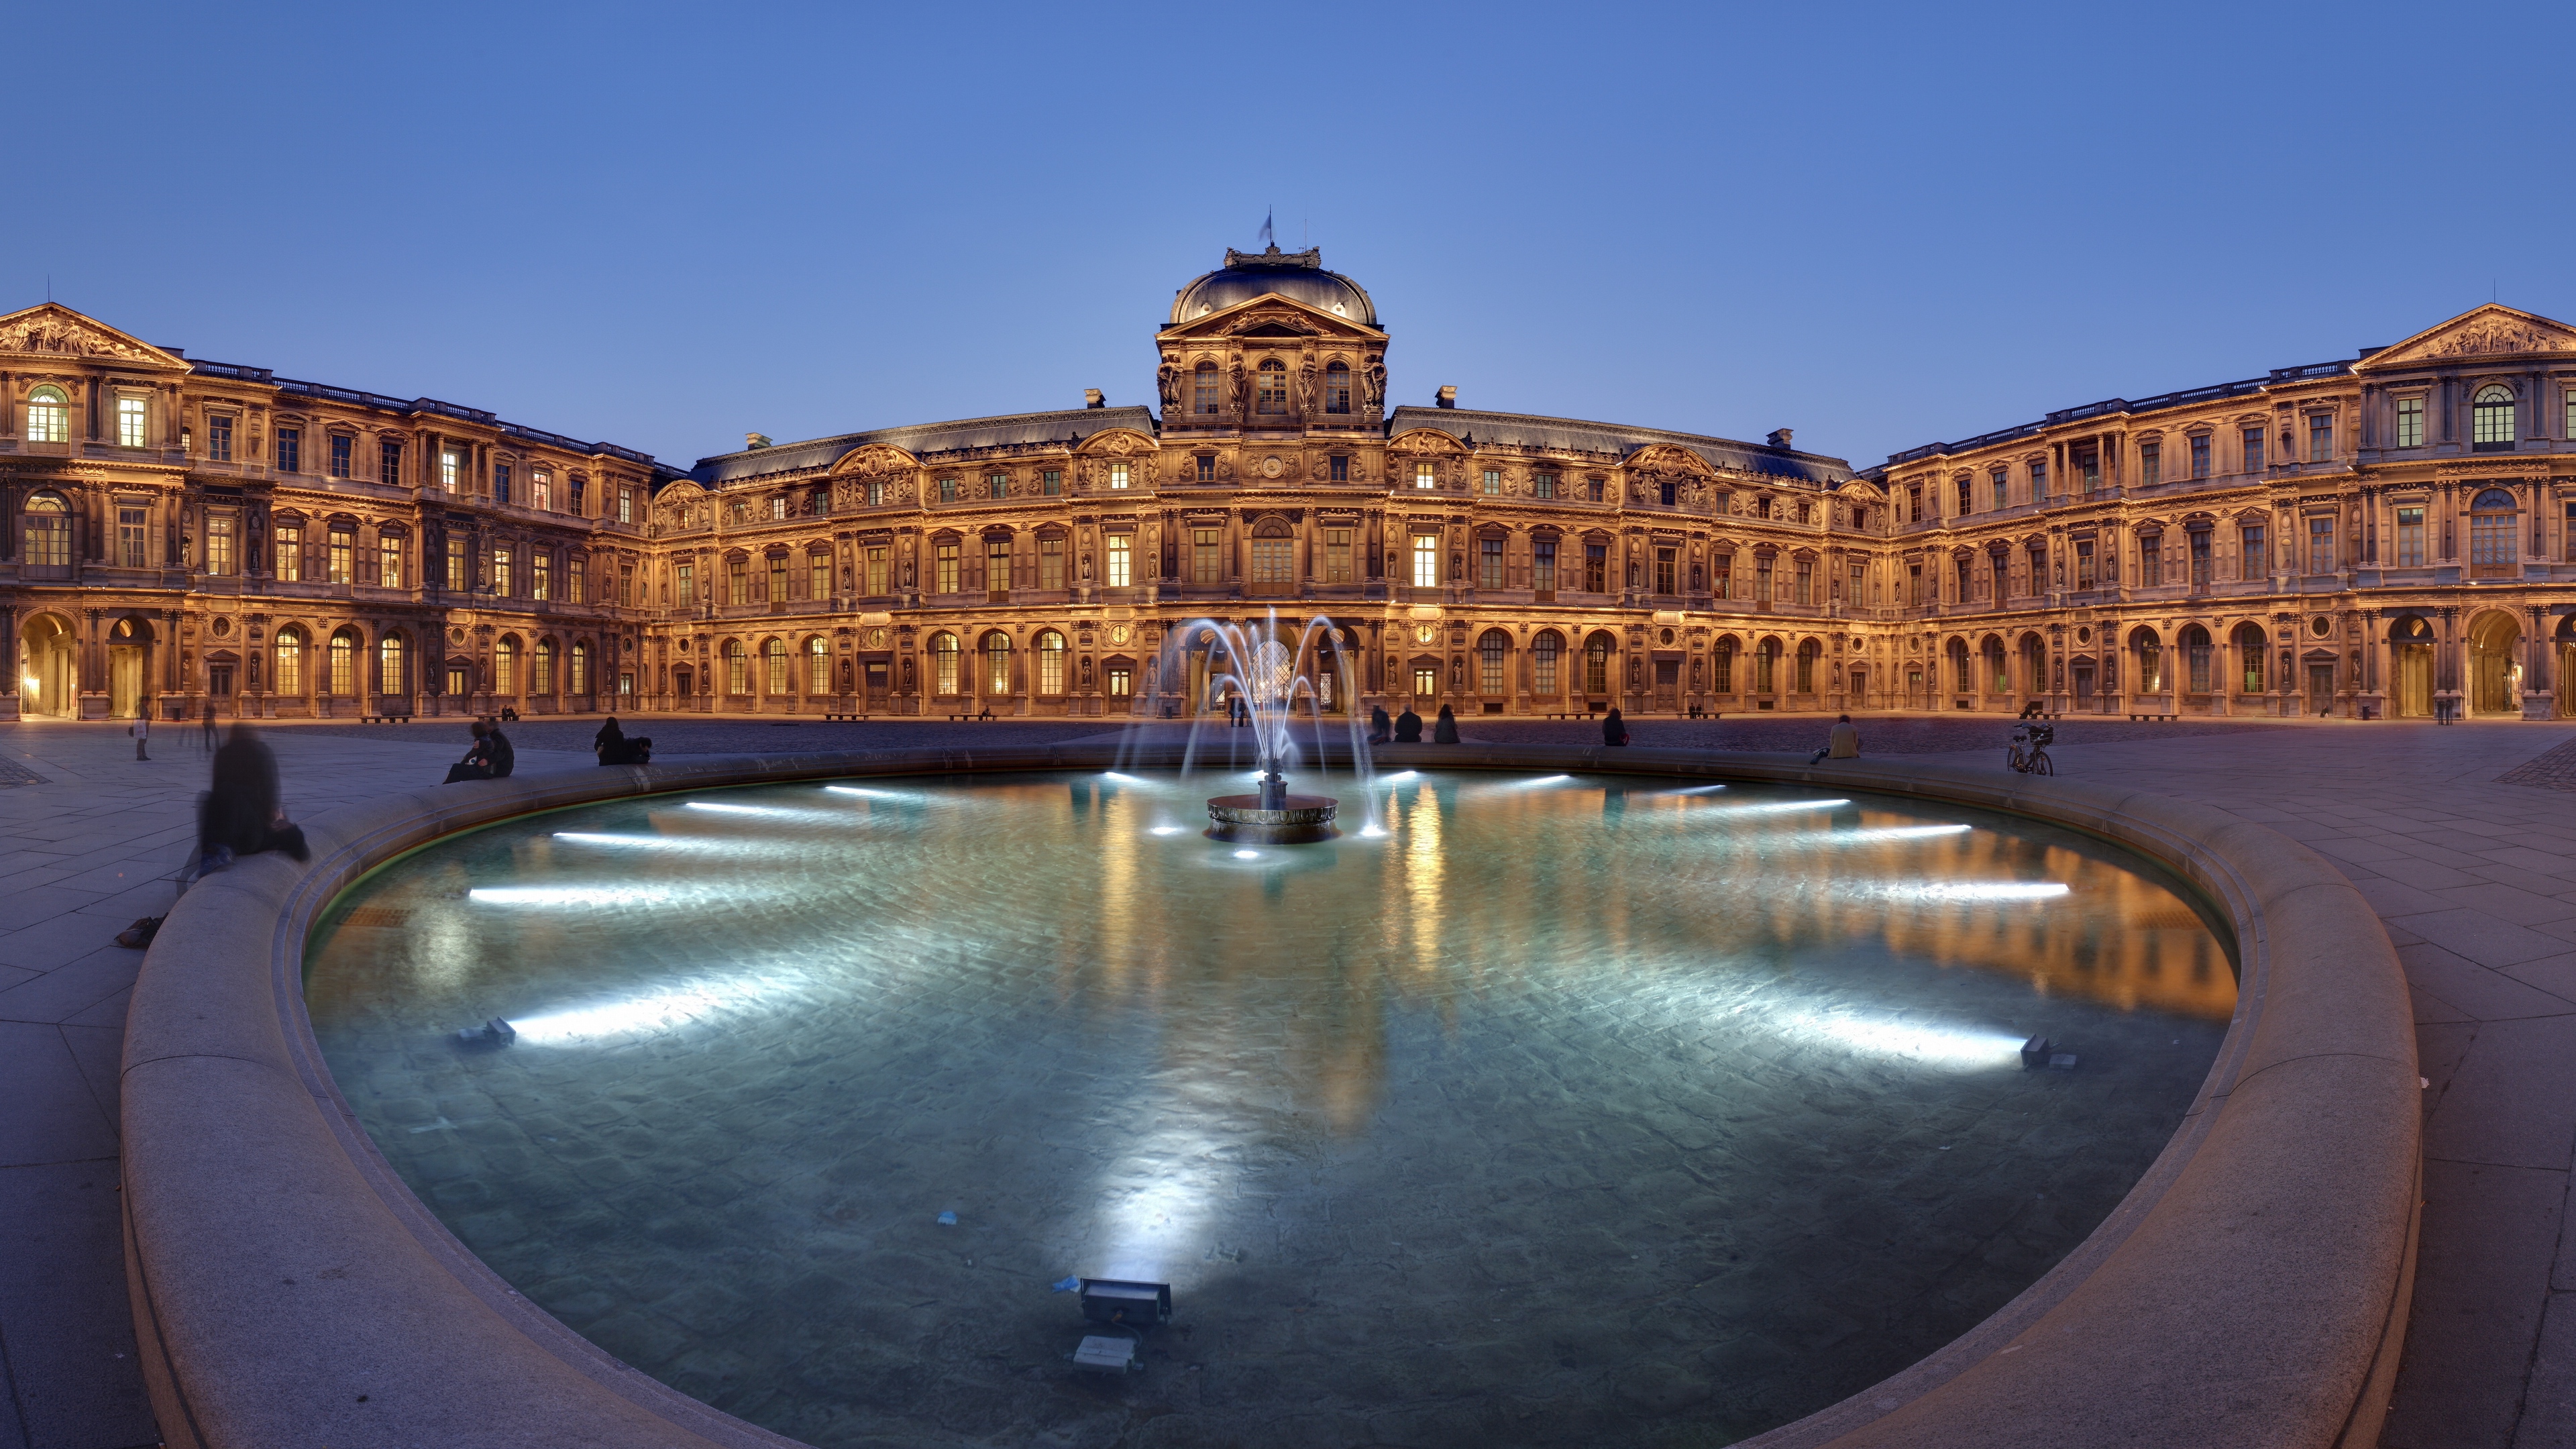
{"points": [[1614, 730], [206, 736], [1445, 731], [1408, 727], [1842, 743], [141, 729], [240, 815]]}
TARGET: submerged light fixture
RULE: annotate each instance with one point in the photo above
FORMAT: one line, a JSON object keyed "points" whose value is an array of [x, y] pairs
{"points": [[1124, 1312]]}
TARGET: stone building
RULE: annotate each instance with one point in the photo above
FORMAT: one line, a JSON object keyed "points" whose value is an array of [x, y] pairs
{"points": [[2360, 537]]}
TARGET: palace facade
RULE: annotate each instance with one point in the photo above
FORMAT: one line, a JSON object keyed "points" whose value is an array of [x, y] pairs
{"points": [[2369, 537]]}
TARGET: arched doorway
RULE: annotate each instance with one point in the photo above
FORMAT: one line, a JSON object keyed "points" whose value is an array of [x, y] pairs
{"points": [[2148, 651], [129, 652], [48, 670], [2495, 666], [2565, 648], [2410, 668]]}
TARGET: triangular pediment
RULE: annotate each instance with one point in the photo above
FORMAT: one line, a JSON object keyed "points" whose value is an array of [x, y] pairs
{"points": [[52, 330], [2490, 331], [1269, 316]]}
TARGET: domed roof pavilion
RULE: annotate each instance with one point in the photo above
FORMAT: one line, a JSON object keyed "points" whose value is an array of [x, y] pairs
{"points": [[1298, 276]]}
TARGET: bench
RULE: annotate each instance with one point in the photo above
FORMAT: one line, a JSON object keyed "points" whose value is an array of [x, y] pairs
{"points": [[2153, 718], [384, 719], [984, 715], [843, 718]]}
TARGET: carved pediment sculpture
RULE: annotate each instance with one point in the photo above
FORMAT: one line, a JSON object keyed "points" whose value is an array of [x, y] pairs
{"points": [[52, 330], [2487, 331]]}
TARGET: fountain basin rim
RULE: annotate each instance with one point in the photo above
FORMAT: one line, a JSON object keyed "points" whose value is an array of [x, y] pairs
{"points": [[2252, 1287]]}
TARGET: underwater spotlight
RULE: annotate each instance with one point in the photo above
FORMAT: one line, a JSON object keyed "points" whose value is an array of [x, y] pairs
{"points": [[1124, 1313], [2040, 1052], [1247, 855], [495, 1032]]}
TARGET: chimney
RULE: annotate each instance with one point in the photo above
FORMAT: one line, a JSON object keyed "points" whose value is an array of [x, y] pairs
{"points": [[1779, 438], [1447, 398], [1091, 398], [754, 440]]}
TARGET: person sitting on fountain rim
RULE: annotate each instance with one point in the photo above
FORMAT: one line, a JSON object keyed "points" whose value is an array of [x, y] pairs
{"points": [[1842, 744], [1381, 729], [477, 764], [1445, 732], [1408, 727], [1614, 730]]}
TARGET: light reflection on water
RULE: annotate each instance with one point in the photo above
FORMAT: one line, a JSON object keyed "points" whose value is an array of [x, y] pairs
{"points": [[1727, 1079]]}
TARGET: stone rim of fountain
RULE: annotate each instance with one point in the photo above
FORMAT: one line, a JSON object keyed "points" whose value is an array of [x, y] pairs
{"points": [[2253, 1285]]}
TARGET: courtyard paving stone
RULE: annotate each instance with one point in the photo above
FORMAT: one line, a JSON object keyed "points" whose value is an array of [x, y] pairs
{"points": [[2463, 839]]}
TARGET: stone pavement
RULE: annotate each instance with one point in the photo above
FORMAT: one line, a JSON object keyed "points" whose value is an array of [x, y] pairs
{"points": [[2475, 879]]}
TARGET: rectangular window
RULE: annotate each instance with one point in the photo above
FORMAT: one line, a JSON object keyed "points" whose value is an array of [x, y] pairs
{"points": [[1119, 681], [577, 499], [501, 580], [880, 566], [1121, 560], [997, 566], [1596, 568], [1489, 564], [219, 438], [997, 485], [2151, 464], [2151, 560], [945, 562], [340, 559], [1052, 480], [1341, 467], [1494, 481], [1914, 504], [2084, 563], [685, 575], [1762, 580], [1594, 488], [1668, 570], [1051, 564], [2200, 455], [1913, 583], [1274, 561], [2200, 574], [2321, 546], [500, 482], [455, 578], [2038, 554], [2570, 535], [343, 454], [1424, 476], [1543, 567], [1426, 560], [541, 491], [1117, 475], [2410, 420], [1203, 390], [2038, 481], [2410, 538], [576, 570], [1859, 574], [389, 463], [1804, 580], [738, 580], [1967, 498], [1207, 467], [389, 561], [818, 578], [1337, 555], [2320, 437], [774, 579], [1667, 493], [541, 575], [290, 450], [626, 505], [2253, 438], [1959, 586], [2087, 463], [2253, 563], [130, 415], [2002, 487], [130, 525], [1207, 556], [626, 586], [947, 490], [1543, 485], [879, 491], [451, 469], [219, 543]]}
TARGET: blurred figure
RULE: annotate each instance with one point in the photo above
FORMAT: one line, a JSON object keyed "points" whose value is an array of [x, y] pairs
{"points": [[1843, 743], [1408, 727], [1381, 729], [1445, 731], [240, 815], [1614, 730], [477, 764]]}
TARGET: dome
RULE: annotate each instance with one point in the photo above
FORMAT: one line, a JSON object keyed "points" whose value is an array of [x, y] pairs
{"points": [[1299, 276]]}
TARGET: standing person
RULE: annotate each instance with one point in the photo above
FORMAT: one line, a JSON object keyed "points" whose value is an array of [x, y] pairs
{"points": [[1843, 743], [610, 743], [1614, 730], [141, 729], [1445, 731], [1408, 727], [240, 815], [1381, 729], [206, 736]]}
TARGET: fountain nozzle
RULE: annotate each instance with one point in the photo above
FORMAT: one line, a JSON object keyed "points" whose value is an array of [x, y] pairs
{"points": [[1274, 792]]}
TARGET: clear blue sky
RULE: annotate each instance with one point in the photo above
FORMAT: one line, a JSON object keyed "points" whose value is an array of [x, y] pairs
{"points": [[669, 226]]}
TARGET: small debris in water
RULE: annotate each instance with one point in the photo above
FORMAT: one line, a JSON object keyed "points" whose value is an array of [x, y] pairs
{"points": [[948, 1220]]}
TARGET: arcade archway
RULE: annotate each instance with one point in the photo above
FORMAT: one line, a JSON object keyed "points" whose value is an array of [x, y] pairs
{"points": [[48, 668]]}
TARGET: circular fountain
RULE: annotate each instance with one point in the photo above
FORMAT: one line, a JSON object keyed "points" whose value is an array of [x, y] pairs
{"points": [[1268, 679], [1273, 816]]}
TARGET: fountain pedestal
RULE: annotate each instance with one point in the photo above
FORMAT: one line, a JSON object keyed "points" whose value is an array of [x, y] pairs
{"points": [[1272, 817]]}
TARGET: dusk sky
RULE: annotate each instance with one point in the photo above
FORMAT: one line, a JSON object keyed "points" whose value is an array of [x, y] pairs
{"points": [[666, 226]]}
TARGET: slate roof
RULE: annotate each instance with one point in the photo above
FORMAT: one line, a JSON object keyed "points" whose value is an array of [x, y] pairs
{"points": [[1527, 430], [922, 440]]}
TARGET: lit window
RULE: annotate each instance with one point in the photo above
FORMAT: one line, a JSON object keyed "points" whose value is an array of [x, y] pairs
{"points": [[880, 567], [1119, 560], [997, 664], [456, 576], [1425, 476], [818, 578], [581, 667], [219, 543], [1050, 663], [2491, 418], [1207, 556], [49, 416], [290, 662], [2410, 420], [48, 532], [389, 562], [541, 490], [541, 575], [544, 683], [505, 666], [1426, 560], [774, 654], [1118, 475], [130, 414], [343, 665], [945, 580], [451, 470], [1493, 482], [818, 666], [626, 505], [501, 573], [389, 659], [944, 661]]}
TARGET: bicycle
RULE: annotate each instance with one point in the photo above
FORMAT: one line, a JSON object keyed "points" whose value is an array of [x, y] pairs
{"points": [[2028, 753]]}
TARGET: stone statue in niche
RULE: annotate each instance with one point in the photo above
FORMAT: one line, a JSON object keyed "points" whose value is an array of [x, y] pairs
{"points": [[1373, 385], [1168, 379], [1306, 389]]}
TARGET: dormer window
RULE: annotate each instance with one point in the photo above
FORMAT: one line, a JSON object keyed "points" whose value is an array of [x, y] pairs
{"points": [[1337, 383], [1271, 394], [49, 417], [2491, 419]]}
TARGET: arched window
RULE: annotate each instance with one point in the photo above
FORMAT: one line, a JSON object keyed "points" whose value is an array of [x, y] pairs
{"points": [[1337, 387], [1271, 389], [2250, 649], [944, 656], [49, 416], [1051, 663], [1491, 651], [1766, 668], [581, 667], [1724, 666], [818, 666], [48, 532], [344, 665], [505, 665], [544, 683], [290, 661], [389, 665], [1543, 657], [1809, 650], [1996, 668], [2491, 418], [1274, 555], [1958, 652], [2151, 661], [774, 655], [1203, 393], [737, 667], [2491, 534], [1596, 664], [997, 664], [2195, 654]]}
